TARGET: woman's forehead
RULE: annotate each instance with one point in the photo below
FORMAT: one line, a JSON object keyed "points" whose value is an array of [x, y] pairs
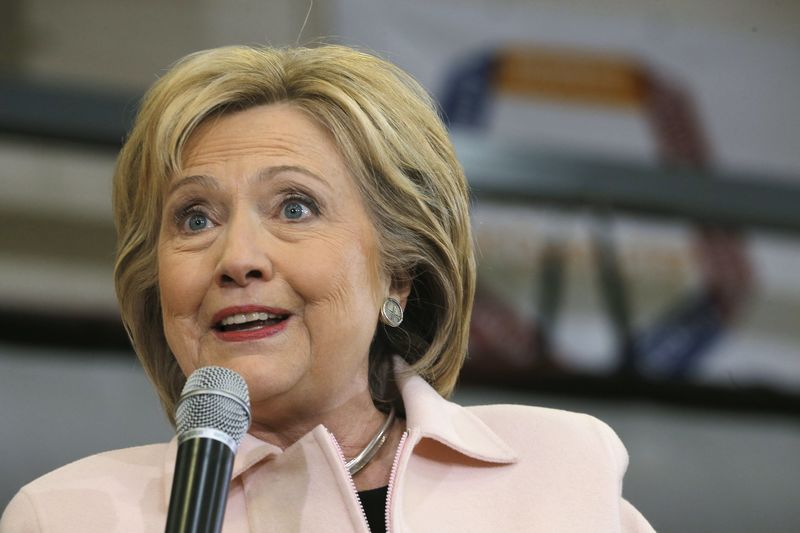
{"points": [[271, 129]]}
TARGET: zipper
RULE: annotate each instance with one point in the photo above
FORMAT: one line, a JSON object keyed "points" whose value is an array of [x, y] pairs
{"points": [[389, 490], [350, 478]]}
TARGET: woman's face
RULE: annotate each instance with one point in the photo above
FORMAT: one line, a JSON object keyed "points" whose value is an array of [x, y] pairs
{"points": [[268, 262]]}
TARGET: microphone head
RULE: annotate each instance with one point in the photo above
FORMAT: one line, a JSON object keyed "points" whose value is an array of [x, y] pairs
{"points": [[214, 398]]}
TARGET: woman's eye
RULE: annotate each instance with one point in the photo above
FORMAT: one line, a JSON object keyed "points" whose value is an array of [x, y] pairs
{"points": [[196, 221], [295, 210]]}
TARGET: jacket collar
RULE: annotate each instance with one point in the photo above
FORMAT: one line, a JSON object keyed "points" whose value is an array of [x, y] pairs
{"points": [[446, 422], [251, 451], [427, 414]]}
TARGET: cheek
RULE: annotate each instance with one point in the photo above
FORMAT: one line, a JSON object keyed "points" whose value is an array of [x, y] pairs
{"points": [[181, 293], [182, 280], [181, 289], [341, 275], [175, 289]]}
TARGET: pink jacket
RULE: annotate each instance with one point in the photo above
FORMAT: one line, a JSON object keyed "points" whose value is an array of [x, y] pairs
{"points": [[492, 468]]}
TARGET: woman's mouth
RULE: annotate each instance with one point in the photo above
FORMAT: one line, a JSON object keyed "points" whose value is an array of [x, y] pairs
{"points": [[249, 324], [245, 321]]}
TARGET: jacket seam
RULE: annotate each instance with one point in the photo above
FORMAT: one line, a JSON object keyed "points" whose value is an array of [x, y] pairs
{"points": [[31, 501]]}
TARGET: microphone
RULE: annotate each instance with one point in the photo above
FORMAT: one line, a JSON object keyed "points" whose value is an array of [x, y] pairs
{"points": [[212, 416]]}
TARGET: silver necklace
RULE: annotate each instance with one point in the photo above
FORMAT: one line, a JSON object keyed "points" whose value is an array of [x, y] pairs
{"points": [[365, 456]]}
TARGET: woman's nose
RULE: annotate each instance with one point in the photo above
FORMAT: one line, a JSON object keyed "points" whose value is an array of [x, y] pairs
{"points": [[244, 257]]}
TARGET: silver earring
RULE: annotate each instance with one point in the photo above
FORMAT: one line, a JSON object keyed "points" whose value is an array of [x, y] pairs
{"points": [[391, 312]]}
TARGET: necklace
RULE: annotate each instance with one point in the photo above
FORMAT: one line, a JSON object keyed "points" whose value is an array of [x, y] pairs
{"points": [[365, 456]]}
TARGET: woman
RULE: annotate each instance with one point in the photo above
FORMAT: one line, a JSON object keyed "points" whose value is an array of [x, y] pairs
{"points": [[299, 216]]}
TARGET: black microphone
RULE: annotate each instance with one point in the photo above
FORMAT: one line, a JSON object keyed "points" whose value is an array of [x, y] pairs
{"points": [[212, 416]]}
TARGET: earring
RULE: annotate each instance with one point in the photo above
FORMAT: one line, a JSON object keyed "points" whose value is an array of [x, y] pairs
{"points": [[391, 312]]}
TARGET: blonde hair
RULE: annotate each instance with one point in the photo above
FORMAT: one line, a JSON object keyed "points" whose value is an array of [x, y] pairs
{"points": [[397, 150]]}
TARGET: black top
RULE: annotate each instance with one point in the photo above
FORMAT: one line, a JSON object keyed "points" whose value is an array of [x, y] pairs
{"points": [[373, 502]]}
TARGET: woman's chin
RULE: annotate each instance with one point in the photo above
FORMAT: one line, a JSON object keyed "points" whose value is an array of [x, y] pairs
{"points": [[265, 376]]}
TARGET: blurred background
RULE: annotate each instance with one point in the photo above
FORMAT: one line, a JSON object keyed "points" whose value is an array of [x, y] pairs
{"points": [[636, 173]]}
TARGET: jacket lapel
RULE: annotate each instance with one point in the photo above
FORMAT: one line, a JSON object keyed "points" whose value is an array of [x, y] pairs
{"points": [[456, 427], [251, 451]]}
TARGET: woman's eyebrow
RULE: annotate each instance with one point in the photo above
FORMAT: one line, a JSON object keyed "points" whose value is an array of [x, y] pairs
{"points": [[268, 173], [199, 179]]}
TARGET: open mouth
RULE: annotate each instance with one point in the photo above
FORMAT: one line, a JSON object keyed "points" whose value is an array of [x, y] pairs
{"points": [[248, 321]]}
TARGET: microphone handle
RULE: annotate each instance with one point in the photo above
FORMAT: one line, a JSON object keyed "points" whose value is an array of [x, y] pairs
{"points": [[200, 487]]}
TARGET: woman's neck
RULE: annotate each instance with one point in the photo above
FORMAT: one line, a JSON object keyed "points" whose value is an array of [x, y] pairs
{"points": [[353, 424]]}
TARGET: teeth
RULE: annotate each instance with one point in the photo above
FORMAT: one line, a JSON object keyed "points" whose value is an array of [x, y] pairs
{"points": [[241, 318]]}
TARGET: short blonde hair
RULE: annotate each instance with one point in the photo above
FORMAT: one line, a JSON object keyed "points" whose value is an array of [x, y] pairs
{"points": [[397, 150]]}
